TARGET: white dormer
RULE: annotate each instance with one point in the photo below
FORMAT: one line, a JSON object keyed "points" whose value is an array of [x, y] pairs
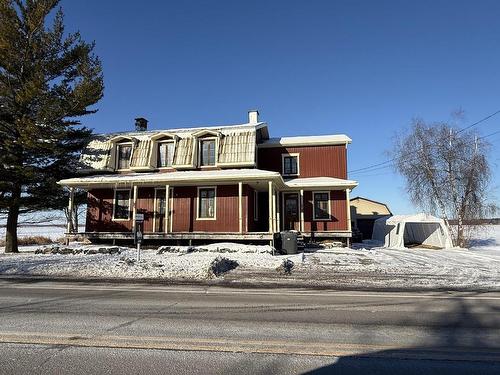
{"points": [[121, 152], [163, 148]]}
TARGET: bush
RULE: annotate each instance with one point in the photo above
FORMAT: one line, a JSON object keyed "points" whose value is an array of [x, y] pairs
{"points": [[285, 268], [221, 265]]}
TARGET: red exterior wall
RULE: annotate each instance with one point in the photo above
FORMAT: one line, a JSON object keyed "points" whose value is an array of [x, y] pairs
{"points": [[100, 210], [145, 205], [338, 207], [314, 161], [100, 213], [184, 210]]}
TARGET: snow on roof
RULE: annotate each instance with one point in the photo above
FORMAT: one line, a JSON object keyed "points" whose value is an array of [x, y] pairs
{"points": [[313, 140], [173, 177], [222, 128], [413, 218], [321, 182]]}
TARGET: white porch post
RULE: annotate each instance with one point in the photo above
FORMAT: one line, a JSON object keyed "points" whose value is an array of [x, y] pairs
{"points": [[278, 212], [69, 227], [134, 208], [347, 191], [167, 207], [270, 190], [274, 210], [240, 206], [301, 210], [348, 210]]}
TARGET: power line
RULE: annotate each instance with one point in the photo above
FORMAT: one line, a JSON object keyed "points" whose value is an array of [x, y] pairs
{"points": [[480, 121], [490, 135], [369, 168]]}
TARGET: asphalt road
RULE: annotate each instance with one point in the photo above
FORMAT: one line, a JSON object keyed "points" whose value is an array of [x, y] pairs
{"points": [[56, 327]]}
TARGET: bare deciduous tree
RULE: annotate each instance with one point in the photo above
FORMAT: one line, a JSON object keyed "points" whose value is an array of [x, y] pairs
{"points": [[447, 173]]}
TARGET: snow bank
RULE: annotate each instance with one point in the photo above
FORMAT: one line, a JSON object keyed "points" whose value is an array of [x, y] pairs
{"points": [[366, 265]]}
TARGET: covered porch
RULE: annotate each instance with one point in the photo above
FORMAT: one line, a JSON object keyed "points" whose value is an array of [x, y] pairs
{"points": [[218, 205], [212, 205]]}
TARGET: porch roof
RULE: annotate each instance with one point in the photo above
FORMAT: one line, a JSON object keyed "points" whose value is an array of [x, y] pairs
{"points": [[321, 182], [207, 176], [175, 178]]}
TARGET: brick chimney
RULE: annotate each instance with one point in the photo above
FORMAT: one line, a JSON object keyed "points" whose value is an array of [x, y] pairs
{"points": [[141, 124]]}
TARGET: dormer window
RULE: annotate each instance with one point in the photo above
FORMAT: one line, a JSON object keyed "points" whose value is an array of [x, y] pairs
{"points": [[123, 155], [290, 164], [165, 156], [207, 152]]}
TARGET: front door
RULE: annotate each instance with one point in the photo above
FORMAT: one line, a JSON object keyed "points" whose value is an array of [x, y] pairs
{"points": [[159, 214], [291, 217]]}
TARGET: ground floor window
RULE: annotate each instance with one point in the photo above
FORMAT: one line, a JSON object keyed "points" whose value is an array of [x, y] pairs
{"points": [[121, 206], [321, 202], [206, 203]]}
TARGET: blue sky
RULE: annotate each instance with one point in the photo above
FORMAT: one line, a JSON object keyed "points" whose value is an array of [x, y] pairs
{"points": [[363, 68]]}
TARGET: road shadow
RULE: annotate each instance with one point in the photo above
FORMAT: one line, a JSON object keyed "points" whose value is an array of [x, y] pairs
{"points": [[463, 340]]}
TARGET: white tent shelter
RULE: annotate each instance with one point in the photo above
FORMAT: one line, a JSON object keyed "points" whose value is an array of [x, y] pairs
{"points": [[400, 231]]}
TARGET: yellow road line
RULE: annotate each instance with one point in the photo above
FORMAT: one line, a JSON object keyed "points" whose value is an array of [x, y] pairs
{"points": [[246, 346]]}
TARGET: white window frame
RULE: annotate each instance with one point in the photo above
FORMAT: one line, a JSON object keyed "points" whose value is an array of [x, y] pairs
{"points": [[198, 203], [158, 144], [329, 205], [129, 204], [117, 154], [283, 156], [216, 156], [255, 205]]}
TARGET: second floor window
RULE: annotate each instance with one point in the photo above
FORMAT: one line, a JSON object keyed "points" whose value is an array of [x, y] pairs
{"points": [[165, 154], [290, 165], [207, 152], [124, 152]]}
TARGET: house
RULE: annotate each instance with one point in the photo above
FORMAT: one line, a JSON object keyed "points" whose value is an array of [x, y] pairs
{"points": [[364, 212], [214, 183]]}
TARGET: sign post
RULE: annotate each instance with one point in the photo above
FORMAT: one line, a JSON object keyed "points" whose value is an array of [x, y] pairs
{"points": [[139, 220]]}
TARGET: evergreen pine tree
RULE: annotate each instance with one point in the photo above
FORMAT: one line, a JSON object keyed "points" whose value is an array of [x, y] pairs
{"points": [[48, 80]]}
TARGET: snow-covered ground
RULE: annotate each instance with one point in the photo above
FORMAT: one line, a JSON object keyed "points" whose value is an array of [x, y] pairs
{"points": [[364, 266]]}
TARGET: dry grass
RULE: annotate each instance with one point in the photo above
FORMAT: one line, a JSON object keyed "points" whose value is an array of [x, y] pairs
{"points": [[31, 240]]}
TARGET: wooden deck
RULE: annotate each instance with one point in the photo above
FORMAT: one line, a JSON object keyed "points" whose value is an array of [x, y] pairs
{"points": [[222, 236]]}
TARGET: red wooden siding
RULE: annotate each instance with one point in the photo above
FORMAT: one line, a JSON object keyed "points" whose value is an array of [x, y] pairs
{"points": [[145, 205], [184, 210], [314, 161], [338, 206], [100, 213]]}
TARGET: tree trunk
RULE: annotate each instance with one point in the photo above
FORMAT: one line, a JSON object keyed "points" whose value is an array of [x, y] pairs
{"points": [[460, 232], [75, 217], [11, 229]]}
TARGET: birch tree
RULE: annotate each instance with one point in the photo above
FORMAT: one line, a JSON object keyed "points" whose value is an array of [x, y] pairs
{"points": [[447, 173]]}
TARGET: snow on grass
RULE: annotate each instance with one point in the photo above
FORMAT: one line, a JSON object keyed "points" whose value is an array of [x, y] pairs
{"points": [[172, 265], [366, 265]]}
